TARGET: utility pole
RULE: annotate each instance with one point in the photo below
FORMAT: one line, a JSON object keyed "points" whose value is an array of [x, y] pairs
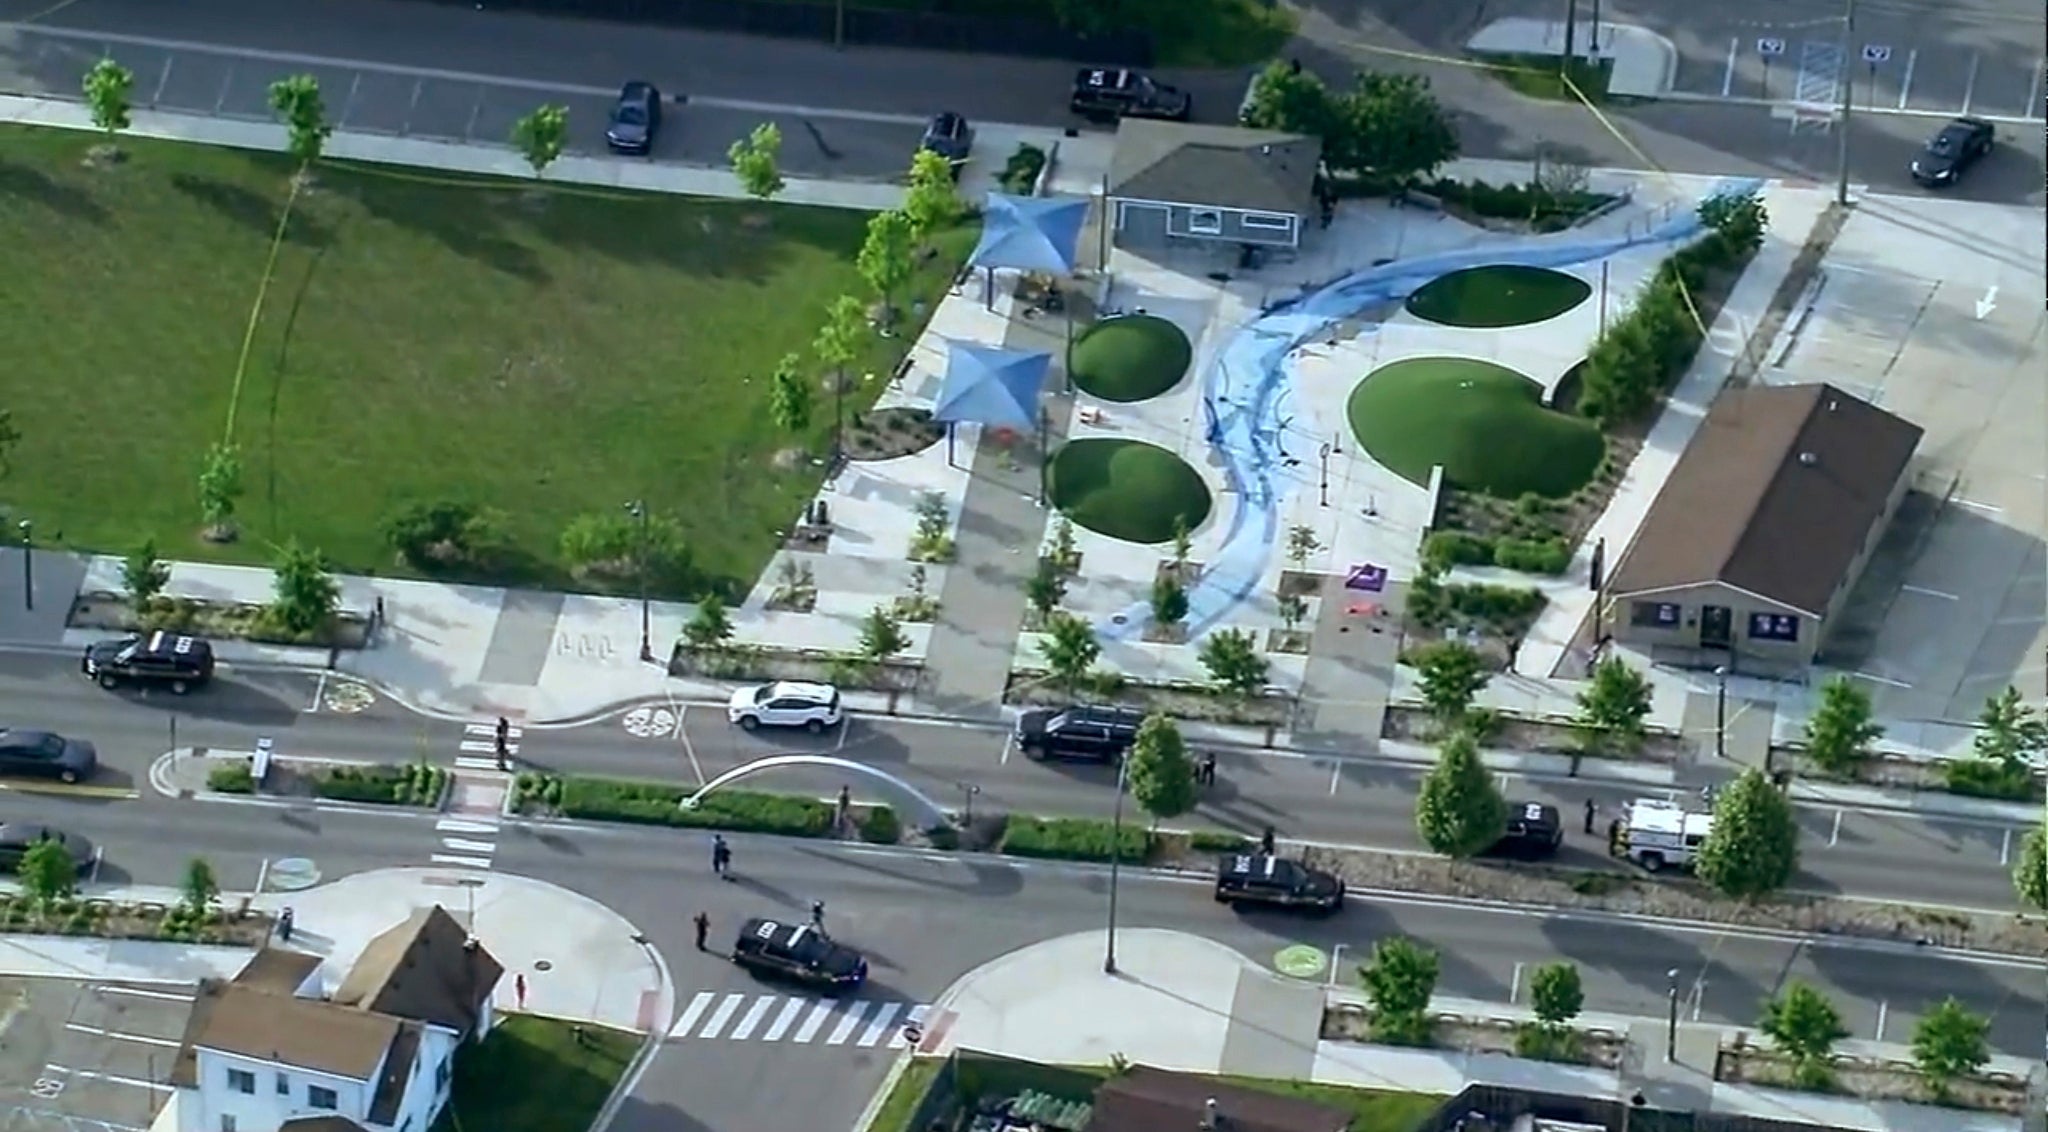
{"points": [[1571, 30], [1846, 77]]}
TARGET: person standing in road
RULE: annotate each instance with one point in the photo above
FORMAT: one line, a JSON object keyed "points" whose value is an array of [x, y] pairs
{"points": [[1592, 809], [502, 743], [1266, 841], [702, 923], [1208, 774], [845, 811], [818, 915], [721, 857]]}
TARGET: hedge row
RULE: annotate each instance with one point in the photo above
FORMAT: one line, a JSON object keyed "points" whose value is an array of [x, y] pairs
{"points": [[1073, 839], [661, 803], [1444, 549], [1990, 778], [234, 777], [414, 784]]}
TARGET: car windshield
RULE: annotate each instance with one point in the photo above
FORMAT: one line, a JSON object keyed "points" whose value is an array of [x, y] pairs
{"points": [[630, 114], [44, 746], [1943, 144], [764, 693]]}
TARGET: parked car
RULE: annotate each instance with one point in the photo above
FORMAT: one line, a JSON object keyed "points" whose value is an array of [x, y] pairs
{"points": [[1105, 95], [1535, 831], [17, 838], [801, 953], [176, 661], [949, 136], [1280, 882], [786, 703], [635, 119], [1081, 733], [45, 754], [1951, 151]]}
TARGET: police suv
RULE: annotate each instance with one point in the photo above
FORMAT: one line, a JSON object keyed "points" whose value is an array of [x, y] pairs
{"points": [[178, 662], [1658, 834], [1262, 878], [799, 952]]}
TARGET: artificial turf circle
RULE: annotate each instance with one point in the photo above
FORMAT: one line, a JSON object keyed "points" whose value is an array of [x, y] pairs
{"points": [[1497, 295], [1126, 489], [1133, 357], [1484, 423]]}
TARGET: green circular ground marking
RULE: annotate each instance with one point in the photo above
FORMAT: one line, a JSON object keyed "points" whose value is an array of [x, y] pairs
{"points": [[1501, 294], [1126, 489], [1133, 357], [292, 874], [1300, 961], [1484, 423]]}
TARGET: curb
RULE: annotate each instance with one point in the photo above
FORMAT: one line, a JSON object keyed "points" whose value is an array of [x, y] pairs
{"points": [[159, 781]]}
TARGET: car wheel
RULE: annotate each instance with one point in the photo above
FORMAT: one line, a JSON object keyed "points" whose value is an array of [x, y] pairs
{"points": [[179, 687], [1653, 862], [1034, 752], [107, 680], [749, 722], [815, 726], [67, 776]]}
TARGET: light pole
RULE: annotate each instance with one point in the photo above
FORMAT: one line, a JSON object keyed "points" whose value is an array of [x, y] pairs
{"points": [[1847, 75], [1324, 453], [1721, 711], [1116, 856], [28, 565], [1671, 1020], [638, 510]]}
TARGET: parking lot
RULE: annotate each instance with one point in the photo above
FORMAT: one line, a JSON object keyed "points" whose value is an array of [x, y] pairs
{"points": [[1932, 309], [452, 106], [86, 1057]]}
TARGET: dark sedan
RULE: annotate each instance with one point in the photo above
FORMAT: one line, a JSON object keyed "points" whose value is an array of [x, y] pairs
{"points": [[17, 838], [44, 754], [636, 117], [949, 136], [1950, 153]]}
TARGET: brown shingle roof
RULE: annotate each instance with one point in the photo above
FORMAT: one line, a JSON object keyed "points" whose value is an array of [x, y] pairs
{"points": [[302, 1032], [1158, 1100], [278, 970], [1775, 496], [424, 969], [397, 1071]]}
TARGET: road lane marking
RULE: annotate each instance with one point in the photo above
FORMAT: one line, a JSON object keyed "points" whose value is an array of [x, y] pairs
{"points": [[751, 1021], [1835, 833], [466, 825], [319, 695], [880, 1026], [784, 1020], [809, 1029], [1336, 776], [117, 1079], [1906, 85], [483, 863], [691, 1013], [1883, 1005], [722, 1015], [2005, 850], [845, 726], [465, 845], [118, 1036], [1923, 591], [689, 748], [847, 1022], [1728, 73]]}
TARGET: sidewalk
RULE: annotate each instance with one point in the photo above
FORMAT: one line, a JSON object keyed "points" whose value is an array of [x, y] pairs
{"points": [[1182, 1002], [1645, 63]]}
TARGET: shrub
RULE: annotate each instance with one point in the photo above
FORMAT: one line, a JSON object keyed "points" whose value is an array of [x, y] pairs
{"points": [[1218, 841], [378, 785], [236, 777], [660, 803], [1445, 549], [1073, 839], [1989, 778], [439, 535], [1533, 556], [615, 547], [880, 826]]}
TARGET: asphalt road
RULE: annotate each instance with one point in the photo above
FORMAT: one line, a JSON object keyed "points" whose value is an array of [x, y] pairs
{"points": [[925, 920], [1863, 853], [733, 81]]}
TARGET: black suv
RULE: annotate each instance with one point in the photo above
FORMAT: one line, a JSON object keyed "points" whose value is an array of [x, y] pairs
{"points": [[1083, 734], [949, 136], [1534, 832], [178, 662], [1106, 95], [799, 952], [1260, 878], [1950, 153]]}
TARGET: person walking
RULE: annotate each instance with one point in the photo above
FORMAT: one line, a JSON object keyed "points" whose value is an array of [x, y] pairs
{"points": [[845, 810], [702, 923], [1592, 809], [502, 743], [818, 915], [519, 989], [284, 924], [1266, 841], [721, 857], [1208, 776]]}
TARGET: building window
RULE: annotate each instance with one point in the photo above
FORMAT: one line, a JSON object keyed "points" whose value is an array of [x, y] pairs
{"points": [[242, 1081], [445, 1071], [284, 1085], [1205, 222], [320, 1096], [1773, 627], [227, 1123], [1272, 221], [1653, 614]]}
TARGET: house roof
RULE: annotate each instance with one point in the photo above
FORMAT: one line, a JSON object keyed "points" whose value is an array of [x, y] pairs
{"points": [[1775, 496], [278, 970], [321, 1124], [302, 1032], [1152, 1100], [397, 1071], [1222, 166], [425, 969]]}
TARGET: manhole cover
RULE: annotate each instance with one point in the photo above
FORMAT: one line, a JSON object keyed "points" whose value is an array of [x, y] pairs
{"points": [[1300, 961], [348, 697], [543, 965], [650, 722], [290, 874]]}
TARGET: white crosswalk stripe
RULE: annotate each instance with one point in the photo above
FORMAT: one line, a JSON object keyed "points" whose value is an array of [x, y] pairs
{"points": [[469, 840], [792, 1019]]}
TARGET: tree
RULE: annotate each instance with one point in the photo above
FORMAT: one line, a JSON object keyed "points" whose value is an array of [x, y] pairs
{"points": [[1065, 556], [109, 92], [754, 161], [881, 634], [2030, 876], [200, 888], [838, 343], [1394, 128], [541, 136], [1839, 735], [1234, 662], [1613, 707], [884, 259], [1460, 811], [1162, 779], [220, 488], [144, 574], [789, 396], [1301, 542], [710, 626], [296, 100], [1804, 1026], [1753, 845], [47, 872], [1556, 994], [1950, 1042], [931, 201], [1285, 97], [1069, 648], [1399, 980], [1169, 600], [2009, 732], [1740, 219], [1045, 589], [1452, 673], [305, 591]]}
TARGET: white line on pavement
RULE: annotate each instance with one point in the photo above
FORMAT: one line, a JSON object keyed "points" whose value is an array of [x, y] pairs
{"points": [[1728, 73], [1987, 508], [145, 992], [784, 1020], [880, 1025], [465, 845], [1876, 679], [812, 1024], [1336, 776], [117, 1079], [483, 863], [1970, 87], [1883, 1007], [722, 1015], [466, 825], [751, 1021], [2005, 850], [477, 762], [1906, 84], [490, 731], [1923, 591], [847, 1021], [691, 1013], [118, 1036], [319, 693], [1835, 832]]}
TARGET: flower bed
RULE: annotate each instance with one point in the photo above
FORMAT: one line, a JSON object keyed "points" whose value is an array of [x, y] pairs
{"points": [[219, 620], [661, 803], [1520, 733], [106, 919], [1873, 1079], [759, 663], [1510, 1037], [1030, 687], [413, 784]]}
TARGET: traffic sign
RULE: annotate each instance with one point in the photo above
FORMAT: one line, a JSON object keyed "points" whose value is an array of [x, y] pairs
{"points": [[1875, 53], [1768, 46]]}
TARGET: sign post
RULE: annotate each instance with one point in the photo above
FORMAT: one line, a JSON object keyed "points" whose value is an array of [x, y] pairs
{"points": [[259, 765], [1873, 54], [1769, 48]]}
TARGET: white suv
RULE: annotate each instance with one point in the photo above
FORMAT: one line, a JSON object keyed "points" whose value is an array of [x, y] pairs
{"points": [[785, 703]]}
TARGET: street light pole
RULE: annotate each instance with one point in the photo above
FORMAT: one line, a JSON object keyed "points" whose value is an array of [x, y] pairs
{"points": [[1848, 81], [28, 565], [1116, 839], [1721, 712], [638, 509], [1671, 1022]]}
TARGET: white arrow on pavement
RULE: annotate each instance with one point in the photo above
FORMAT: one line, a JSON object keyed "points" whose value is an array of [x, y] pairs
{"points": [[1988, 303]]}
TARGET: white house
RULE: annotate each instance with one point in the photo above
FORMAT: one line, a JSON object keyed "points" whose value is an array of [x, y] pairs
{"points": [[265, 1053]]}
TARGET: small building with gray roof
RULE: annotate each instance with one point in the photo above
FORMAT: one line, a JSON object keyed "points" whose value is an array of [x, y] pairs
{"points": [[1172, 181]]}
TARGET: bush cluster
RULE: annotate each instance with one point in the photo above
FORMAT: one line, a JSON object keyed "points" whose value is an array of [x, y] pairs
{"points": [[447, 535], [880, 826], [1218, 841], [1434, 603], [1547, 209], [236, 777], [1073, 839], [661, 803], [1445, 549], [1990, 778], [1021, 170], [414, 784]]}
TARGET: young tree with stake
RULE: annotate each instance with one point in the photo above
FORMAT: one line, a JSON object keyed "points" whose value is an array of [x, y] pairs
{"points": [[541, 136], [1804, 1026], [755, 161], [47, 872], [1950, 1043], [109, 93], [1235, 665], [1452, 674], [710, 627], [2030, 875], [1839, 735], [838, 343], [1045, 589], [789, 396], [1613, 707], [297, 102], [1460, 811], [1399, 980], [931, 201], [884, 259], [145, 574], [1161, 778], [1070, 650], [881, 634]]}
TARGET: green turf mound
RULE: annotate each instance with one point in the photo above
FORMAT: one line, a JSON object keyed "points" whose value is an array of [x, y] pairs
{"points": [[1501, 294], [1484, 423], [1126, 489], [1133, 357]]}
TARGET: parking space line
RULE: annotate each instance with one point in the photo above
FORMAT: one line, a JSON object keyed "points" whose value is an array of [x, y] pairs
{"points": [[1906, 84], [117, 1079], [1923, 591], [839, 744], [118, 1036], [1987, 508], [319, 694], [1970, 87], [1728, 74], [1835, 832], [1336, 776], [2005, 850], [1885, 680], [689, 748], [142, 992], [2034, 88]]}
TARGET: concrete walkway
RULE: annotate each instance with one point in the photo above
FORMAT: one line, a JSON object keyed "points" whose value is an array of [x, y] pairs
{"points": [[1644, 63]]}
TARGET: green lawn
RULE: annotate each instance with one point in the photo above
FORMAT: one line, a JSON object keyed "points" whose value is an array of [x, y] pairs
{"points": [[1185, 33], [1497, 295], [896, 1110], [532, 1075], [1126, 489], [1483, 422], [546, 353], [1134, 357], [1372, 1110], [1543, 76]]}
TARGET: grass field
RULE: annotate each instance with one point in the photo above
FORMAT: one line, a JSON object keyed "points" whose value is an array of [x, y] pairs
{"points": [[1498, 295], [1134, 357], [1185, 33], [1484, 423], [546, 353], [1126, 489], [533, 1075]]}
